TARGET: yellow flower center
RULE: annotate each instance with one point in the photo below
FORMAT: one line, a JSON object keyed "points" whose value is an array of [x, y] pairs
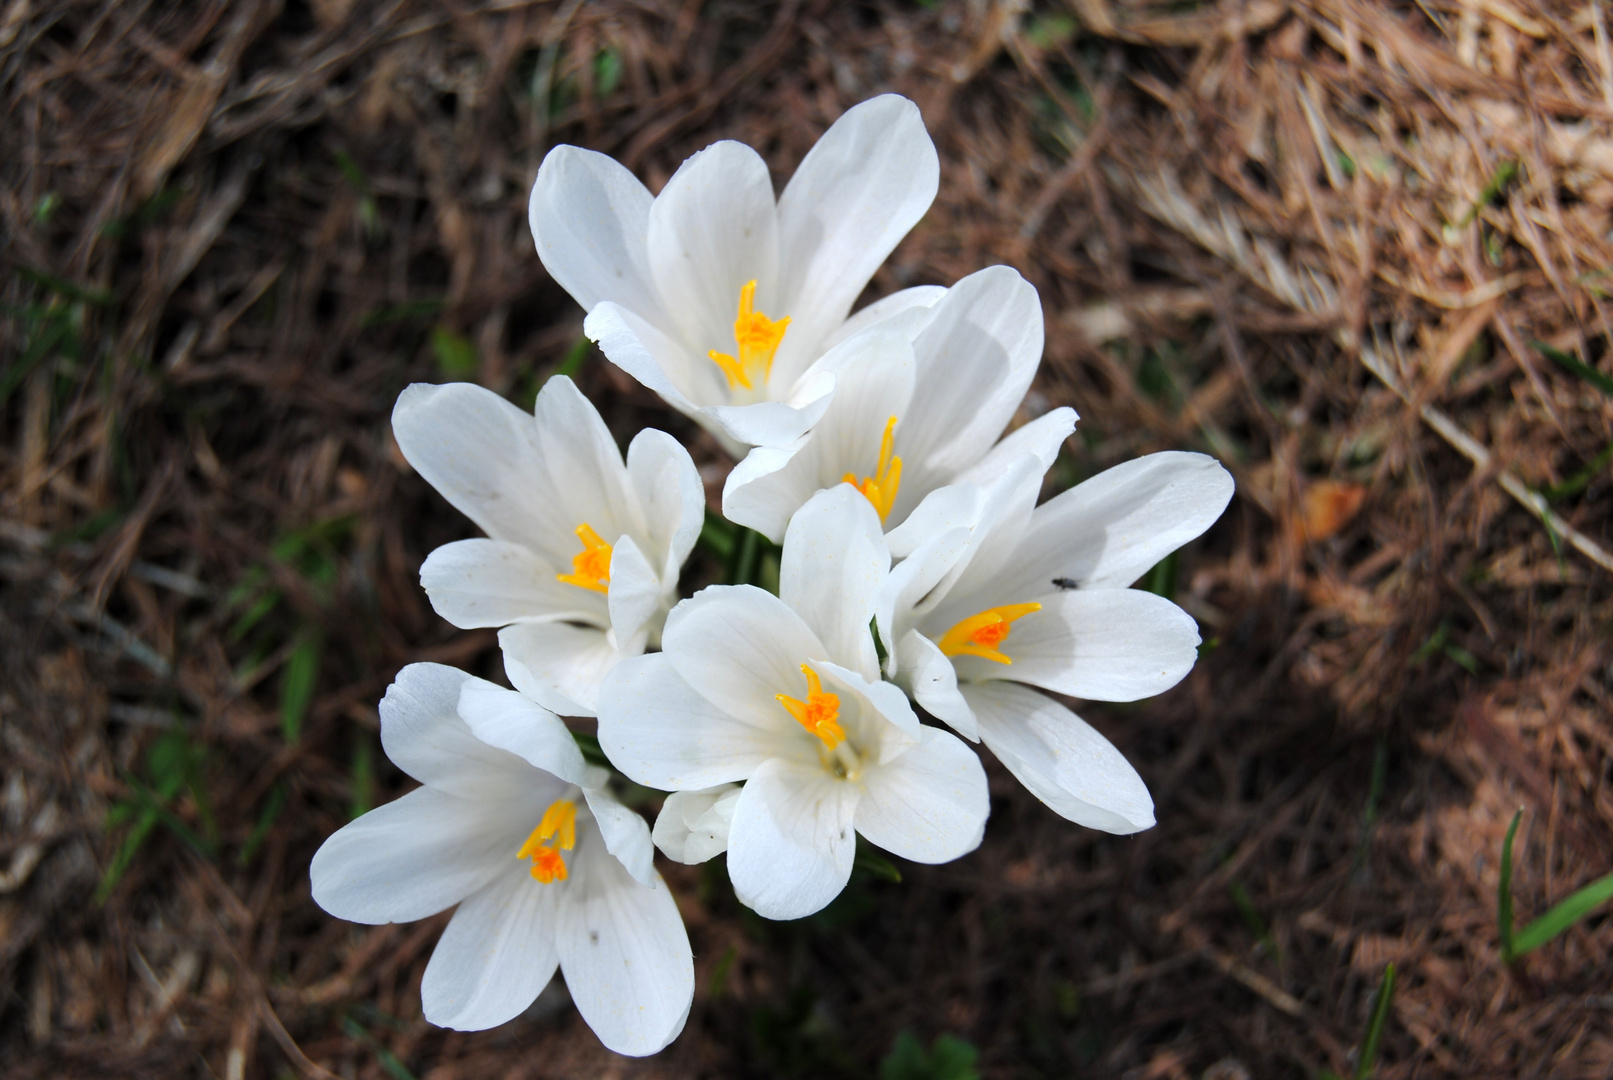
{"points": [[880, 488], [819, 713], [555, 833], [979, 635], [590, 569], [758, 339]]}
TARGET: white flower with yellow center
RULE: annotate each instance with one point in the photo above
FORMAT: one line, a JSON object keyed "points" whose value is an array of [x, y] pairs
{"points": [[922, 399], [583, 550], [997, 595], [784, 693], [547, 868], [718, 296]]}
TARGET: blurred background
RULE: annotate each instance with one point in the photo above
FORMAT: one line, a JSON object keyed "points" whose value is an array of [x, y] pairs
{"points": [[1356, 249]]}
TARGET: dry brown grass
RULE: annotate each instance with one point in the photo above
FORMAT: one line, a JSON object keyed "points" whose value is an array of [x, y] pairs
{"points": [[1317, 238]]}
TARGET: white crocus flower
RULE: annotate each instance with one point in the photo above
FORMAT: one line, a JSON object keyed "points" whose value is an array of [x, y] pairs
{"points": [[784, 693], [663, 277], [998, 595], [583, 551], [921, 402], [547, 868]]}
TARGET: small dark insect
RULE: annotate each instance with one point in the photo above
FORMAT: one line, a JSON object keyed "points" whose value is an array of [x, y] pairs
{"points": [[1066, 583]]}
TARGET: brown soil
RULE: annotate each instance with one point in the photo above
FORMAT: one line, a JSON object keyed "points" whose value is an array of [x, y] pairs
{"points": [[1324, 240]]}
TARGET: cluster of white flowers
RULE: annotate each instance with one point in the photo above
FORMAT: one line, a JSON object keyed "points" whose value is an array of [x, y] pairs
{"points": [[917, 568]]}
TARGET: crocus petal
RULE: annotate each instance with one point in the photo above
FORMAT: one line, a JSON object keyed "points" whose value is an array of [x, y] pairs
{"points": [[693, 825], [624, 831], [587, 477], [645, 352], [868, 180], [739, 648], [662, 734], [928, 805], [791, 844], [712, 229], [481, 454], [953, 507], [509, 721], [1098, 644], [773, 423], [1060, 758], [413, 857], [882, 717], [908, 310], [494, 582], [934, 681], [589, 218], [635, 594], [834, 563], [1107, 532], [910, 581], [674, 499], [558, 665], [1040, 438], [625, 955], [496, 955], [975, 361], [423, 734]]}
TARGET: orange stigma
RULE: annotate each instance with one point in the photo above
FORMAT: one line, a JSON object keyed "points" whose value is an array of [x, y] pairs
{"points": [[758, 339], [590, 569], [880, 488], [979, 635], [819, 713], [556, 832]]}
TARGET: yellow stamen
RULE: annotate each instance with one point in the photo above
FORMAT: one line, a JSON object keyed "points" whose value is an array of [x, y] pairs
{"points": [[591, 568], [758, 339], [819, 713], [556, 832], [880, 488], [979, 635]]}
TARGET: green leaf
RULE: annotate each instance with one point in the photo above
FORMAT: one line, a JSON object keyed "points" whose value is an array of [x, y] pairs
{"points": [[607, 72], [1563, 915], [592, 752], [876, 865], [1503, 900], [297, 687], [572, 362], [67, 288], [457, 356], [951, 1058], [260, 831], [1569, 362], [717, 535], [1367, 1061], [1161, 580], [1582, 479], [1503, 176], [719, 972], [363, 786]]}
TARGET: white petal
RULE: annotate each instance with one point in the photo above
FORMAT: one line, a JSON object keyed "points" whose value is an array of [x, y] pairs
{"points": [[955, 506], [834, 563], [584, 465], [975, 361], [635, 595], [422, 734], [907, 309], [868, 180], [494, 582], [625, 954], [761, 492], [507, 720], [712, 229], [934, 683], [674, 499], [662, 734], [877, 717], [693, 825], [791, 844], [660, 362], [1041, 438], [496, 955], [481, 454], [1107, 532], [589, 218], [739, 648], [412, 858], [1060, 758], [774, 423], [1098, 644], [910, 581], [1004, 511], [929, 805], [625, 832], [558, 665]]}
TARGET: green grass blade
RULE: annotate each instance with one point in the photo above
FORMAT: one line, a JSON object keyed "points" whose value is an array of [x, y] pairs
{"points": [[1564, 915], [297, 687], [1503, 899], [573, 361], [260, 831], [592, 752], [1368, 1060], [1572, 363]]}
